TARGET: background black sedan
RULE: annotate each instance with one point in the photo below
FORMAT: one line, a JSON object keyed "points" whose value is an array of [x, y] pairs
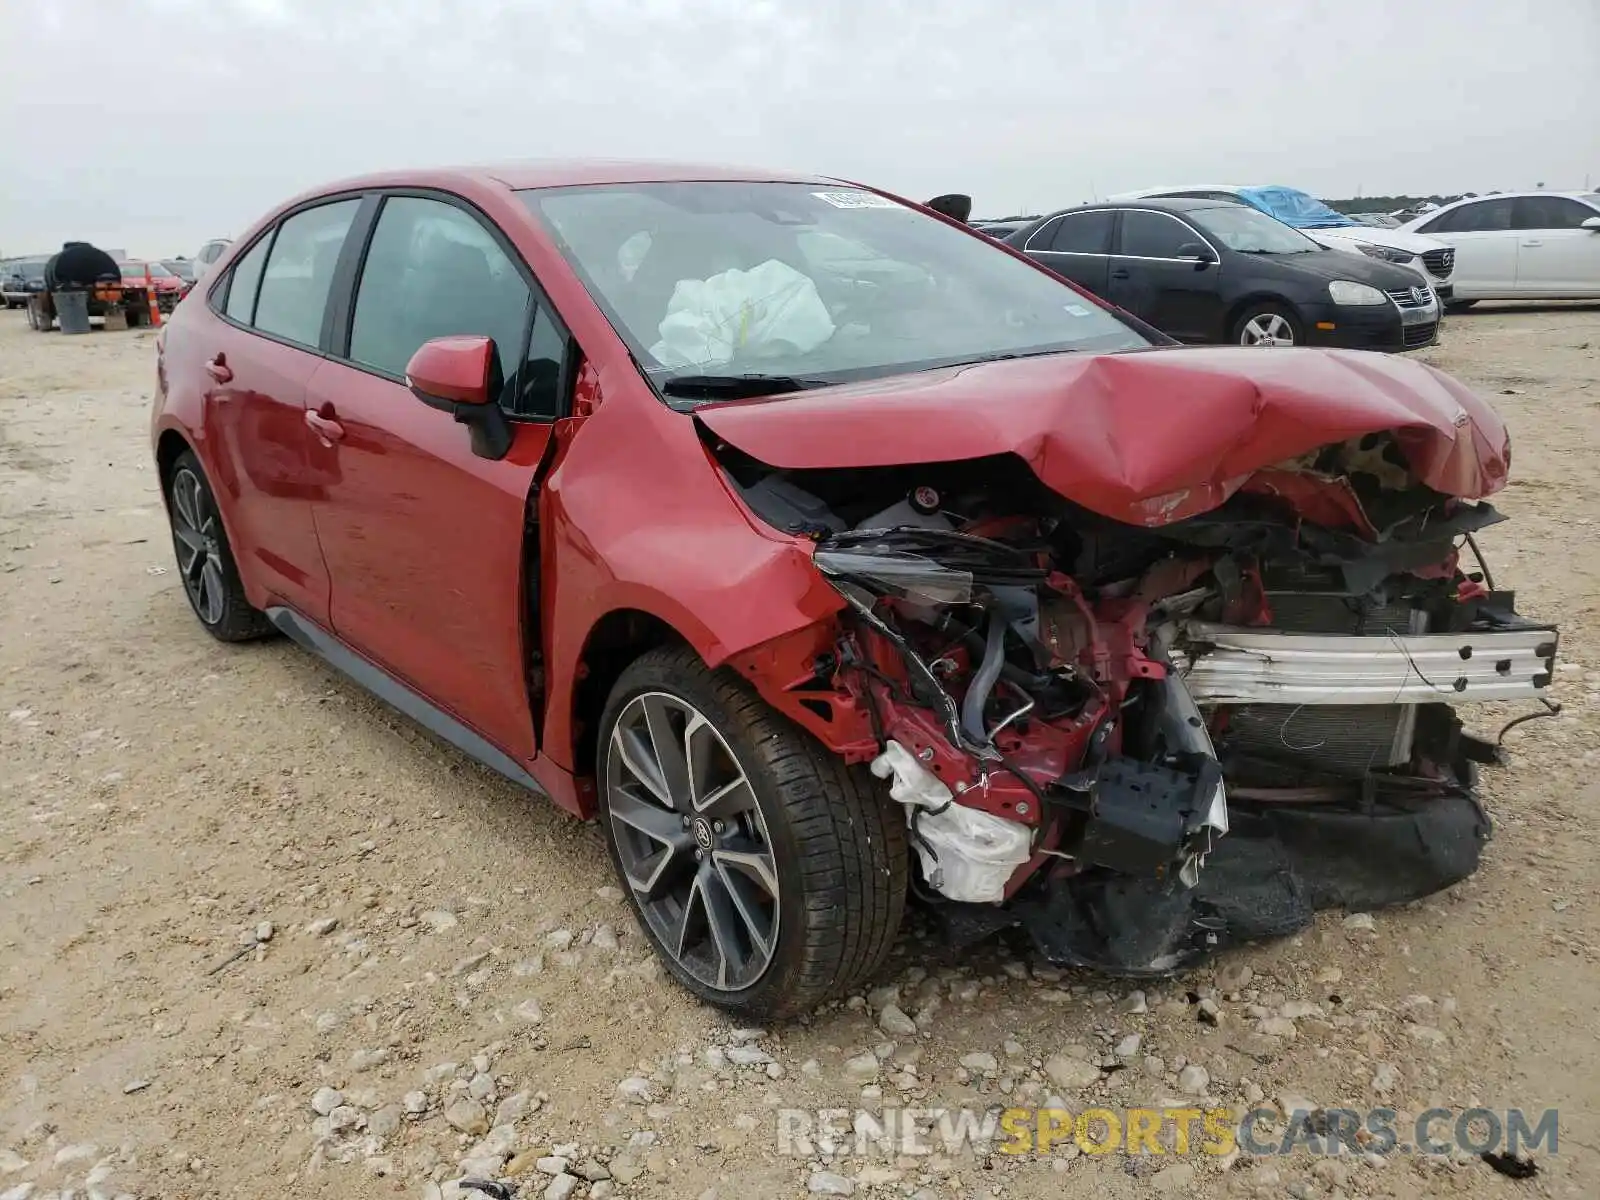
{"points": [[1209, 271]]}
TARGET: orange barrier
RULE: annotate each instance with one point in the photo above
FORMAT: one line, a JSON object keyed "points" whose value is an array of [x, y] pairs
{"points": [[150, 293]]}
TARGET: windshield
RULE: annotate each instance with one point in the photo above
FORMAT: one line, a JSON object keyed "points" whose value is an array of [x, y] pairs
{"points": [[1250, 232], [28, 268], [815, 284], [1294, 207], [135, 270]]}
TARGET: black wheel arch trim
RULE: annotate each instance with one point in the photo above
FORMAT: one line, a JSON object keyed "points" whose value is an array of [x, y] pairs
{"points": [[399, 696]]}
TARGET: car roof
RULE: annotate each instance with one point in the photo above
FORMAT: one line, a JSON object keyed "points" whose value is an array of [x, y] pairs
{"points": [[1583, 196], [543, 173], [1160, 204], [1145, 193]]}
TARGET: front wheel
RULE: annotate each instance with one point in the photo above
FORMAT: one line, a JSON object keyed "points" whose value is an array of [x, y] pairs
{"points": [[1268, 325], [767, 874], [1457, 306]]}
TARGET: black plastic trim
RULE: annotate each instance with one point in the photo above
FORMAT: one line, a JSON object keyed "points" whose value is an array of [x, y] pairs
{"points": [[398, 696]]}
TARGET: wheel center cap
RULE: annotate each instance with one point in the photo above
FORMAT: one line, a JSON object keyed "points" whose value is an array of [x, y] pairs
{"points": [[703, 836]]}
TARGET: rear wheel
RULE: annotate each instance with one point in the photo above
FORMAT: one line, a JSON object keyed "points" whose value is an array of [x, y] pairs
{"points": [[768, 875], [1268, 325], [205, 560]]}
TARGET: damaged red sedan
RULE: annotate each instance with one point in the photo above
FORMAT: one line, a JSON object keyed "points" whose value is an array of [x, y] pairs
{"points": [[833, 556]]}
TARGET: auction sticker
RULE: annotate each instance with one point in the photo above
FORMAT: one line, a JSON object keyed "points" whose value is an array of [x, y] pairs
{"points": [[855, 199]]}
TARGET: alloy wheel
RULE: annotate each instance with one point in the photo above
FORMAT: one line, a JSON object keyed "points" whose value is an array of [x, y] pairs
{"points": [[196, 537], [1267, 329], [691, 841]]}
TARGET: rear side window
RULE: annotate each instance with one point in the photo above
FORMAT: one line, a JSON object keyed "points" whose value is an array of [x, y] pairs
{"points": [[1084, 233], [1153, 235], [432, 270], [244, 281], [299, 272]]}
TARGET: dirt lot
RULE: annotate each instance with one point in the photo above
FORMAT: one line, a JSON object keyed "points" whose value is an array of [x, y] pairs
{"points": [[166, 802]]}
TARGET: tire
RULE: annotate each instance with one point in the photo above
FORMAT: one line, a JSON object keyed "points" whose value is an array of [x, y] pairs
{"points": [[205, 560], [1268, 316], [1458, 306], [825, 835]]}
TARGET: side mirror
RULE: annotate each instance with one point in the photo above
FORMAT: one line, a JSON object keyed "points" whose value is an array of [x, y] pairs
{"points": [[1203, 254], [461, 376], [1592, 225]]}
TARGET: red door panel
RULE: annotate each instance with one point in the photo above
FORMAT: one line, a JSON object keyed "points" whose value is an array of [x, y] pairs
{"points": [[423, 541], [254, 412]]}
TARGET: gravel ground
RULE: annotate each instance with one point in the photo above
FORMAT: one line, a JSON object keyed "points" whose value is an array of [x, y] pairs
{"points": [[261, 936]]}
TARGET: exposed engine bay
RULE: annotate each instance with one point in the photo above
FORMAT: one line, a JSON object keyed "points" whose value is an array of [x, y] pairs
{"points": [[1142, 743]]}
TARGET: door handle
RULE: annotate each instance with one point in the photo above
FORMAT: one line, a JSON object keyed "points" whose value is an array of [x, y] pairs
{"points": [[326, 428], [1533, 243], [1119, 273], [219, 370]]}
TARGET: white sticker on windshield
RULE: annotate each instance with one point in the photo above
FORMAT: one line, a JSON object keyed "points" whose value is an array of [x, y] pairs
{"points": [[855, 199], [1076, 310]]}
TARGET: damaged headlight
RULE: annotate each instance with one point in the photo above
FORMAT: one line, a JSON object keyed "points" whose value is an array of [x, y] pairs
{"points": [[901, 573]]}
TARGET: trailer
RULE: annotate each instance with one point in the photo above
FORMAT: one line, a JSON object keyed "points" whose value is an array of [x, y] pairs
{"points": [[118, 306]]}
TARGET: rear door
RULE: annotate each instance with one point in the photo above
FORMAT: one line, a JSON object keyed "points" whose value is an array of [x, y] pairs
{"points": [[1077, 245], [423, 539], [1556, 256], [1155, 274], [259, 347], [1486, 247]]}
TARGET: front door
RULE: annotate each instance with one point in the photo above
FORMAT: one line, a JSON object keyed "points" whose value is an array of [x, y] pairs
{"points": [[1486, 247], [423, 538], [1157, 275]]}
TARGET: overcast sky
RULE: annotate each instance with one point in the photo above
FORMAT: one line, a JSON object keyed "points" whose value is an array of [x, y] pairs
{"points": [[155, 124]]}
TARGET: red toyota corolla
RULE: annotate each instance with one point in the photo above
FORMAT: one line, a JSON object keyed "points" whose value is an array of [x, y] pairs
{"points": [[830, 554]]}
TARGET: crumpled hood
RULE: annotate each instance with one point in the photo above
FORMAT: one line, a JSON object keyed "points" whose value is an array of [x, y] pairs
{"points": [[1148, 437]]}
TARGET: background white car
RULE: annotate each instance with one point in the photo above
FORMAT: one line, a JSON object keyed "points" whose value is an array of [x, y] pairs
{"points": [[1520, 245], [1428, 257], [209, 253]]}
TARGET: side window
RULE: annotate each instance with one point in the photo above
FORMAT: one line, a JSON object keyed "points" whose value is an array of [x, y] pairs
{"points": [[299, 273], [243, 281], [1085, 233], [432, 270], [1153, 235], [540, 389], [1041, 238], [1482, 217], [1549, 212]]}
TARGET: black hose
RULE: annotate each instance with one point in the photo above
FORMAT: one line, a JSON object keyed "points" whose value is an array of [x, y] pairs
{"points": [[984, 679], [1488, 576], [1009, 671]]}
